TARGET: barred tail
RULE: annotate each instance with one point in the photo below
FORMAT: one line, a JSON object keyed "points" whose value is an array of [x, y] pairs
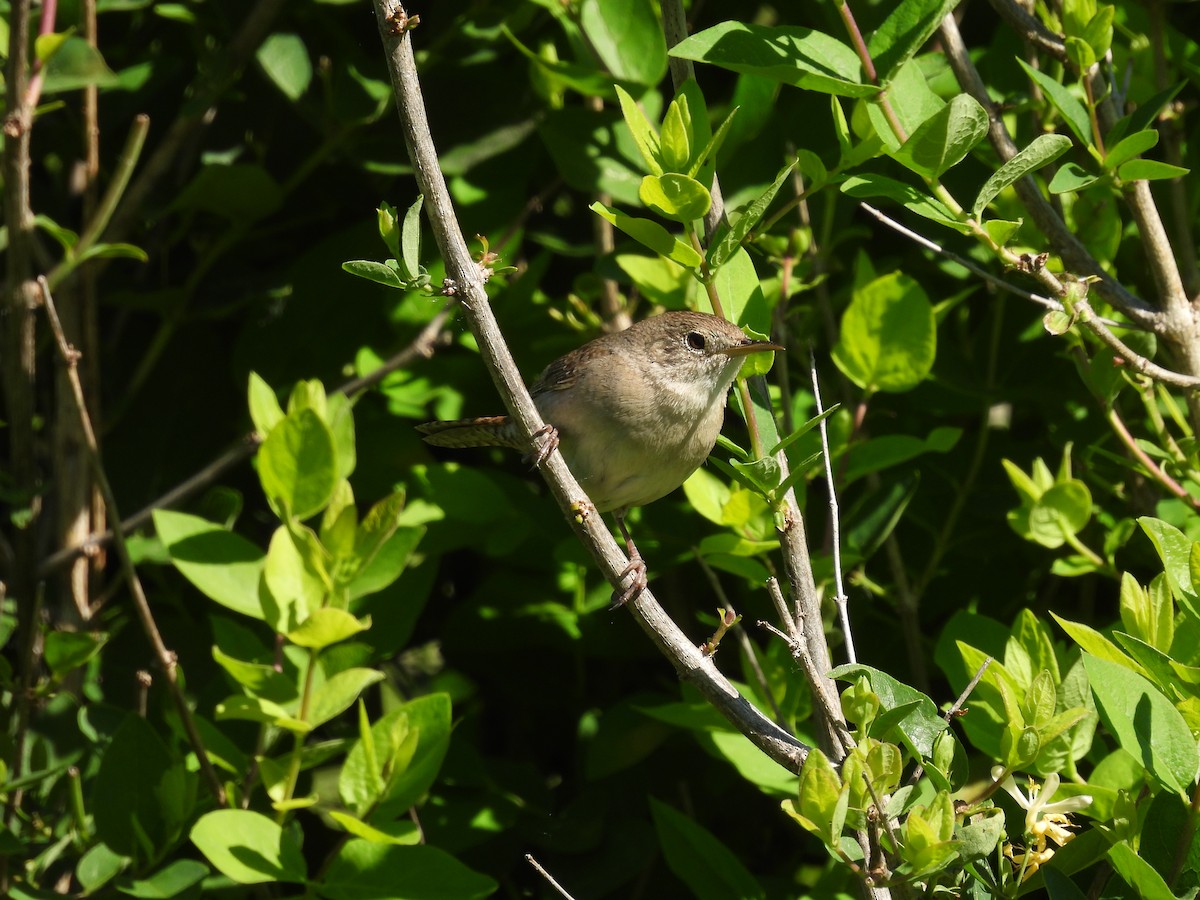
{"points": [[487, 431]]}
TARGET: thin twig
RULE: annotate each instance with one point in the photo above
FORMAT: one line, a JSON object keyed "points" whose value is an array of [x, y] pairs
{"points": [[166, 658], [1087, 317], [949, 714], [1155, 471], [690, 663], [549, 878], [823, 689], [421, 347], [977, 270], [743, 639], [18, 364], [839, 597]]}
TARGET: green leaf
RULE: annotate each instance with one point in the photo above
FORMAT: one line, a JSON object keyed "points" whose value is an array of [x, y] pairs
{"points": [[97, 866], [1150, 170], [627, 37], [402, 832], [386, 565], [731, 238], [72, 63], [363, 870], [1134, 145], [905, 30], [401, 760], [710, 869], [373, 271], [945, 138], [913, 101], [339, 416], [1042, 150], [1145, 723], [172, 880], [871, 185], [1071, 177], [644, 134], [258, 678], [1061, 512], [1002, 230], [240, 192], [68, 650], [326, 627], [675, 197], [338, 693], [383, 752], [797, 56], [1064, 101], [284, 58], [1175, 550], [265, 410], [130, 788], [1099, 31], [292, 585], [1080, 53], [674, 138], [410, 240], [249, 848], [889, 335], [704, 162], [650, 234], [751, 763], [298, 466], [920, 724], [259, 709], [224, 566], [113, 251], [740, 289], [1096, 644], [821, 806], [889, 450], [388, 232], [1137, 873]]}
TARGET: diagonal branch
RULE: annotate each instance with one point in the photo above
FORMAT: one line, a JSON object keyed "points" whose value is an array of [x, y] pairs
{"points": [[689, 662], [166, 657], [1075, 256]]}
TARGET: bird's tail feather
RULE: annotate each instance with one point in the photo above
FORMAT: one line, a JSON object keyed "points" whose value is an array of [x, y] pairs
{"points": [[485, 431]]}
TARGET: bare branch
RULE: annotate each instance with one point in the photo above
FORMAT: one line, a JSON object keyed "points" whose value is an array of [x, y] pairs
{"points": [[549, 878], [835, 518], [166, 658]]}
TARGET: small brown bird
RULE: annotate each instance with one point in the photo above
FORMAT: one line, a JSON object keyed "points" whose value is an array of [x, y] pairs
{"points": [[634, 413]]}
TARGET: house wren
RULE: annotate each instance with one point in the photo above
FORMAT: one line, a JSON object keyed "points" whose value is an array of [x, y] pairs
{"points": [[634, 413]]}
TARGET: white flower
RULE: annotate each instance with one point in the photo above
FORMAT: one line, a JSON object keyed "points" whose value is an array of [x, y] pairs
{"points": [[1043, 819]]}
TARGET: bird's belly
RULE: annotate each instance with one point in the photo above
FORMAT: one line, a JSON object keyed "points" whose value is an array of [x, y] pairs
{"points": [[627, 472]]}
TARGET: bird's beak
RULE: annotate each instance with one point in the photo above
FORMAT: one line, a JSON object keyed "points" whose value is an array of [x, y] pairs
{"points": [[750, 347]]}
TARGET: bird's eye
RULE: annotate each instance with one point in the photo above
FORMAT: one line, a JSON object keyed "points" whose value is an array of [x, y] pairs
{"points": [[695, 340]]}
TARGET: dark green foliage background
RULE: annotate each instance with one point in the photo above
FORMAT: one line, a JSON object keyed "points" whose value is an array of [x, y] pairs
{"points": [[552, 752]]}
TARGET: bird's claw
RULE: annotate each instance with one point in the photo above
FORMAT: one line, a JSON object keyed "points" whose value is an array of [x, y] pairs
{"points": [[636, 573], [545, 442]]}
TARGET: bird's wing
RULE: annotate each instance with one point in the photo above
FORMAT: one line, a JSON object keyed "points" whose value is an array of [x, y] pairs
{"points": [[563, 373]]}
